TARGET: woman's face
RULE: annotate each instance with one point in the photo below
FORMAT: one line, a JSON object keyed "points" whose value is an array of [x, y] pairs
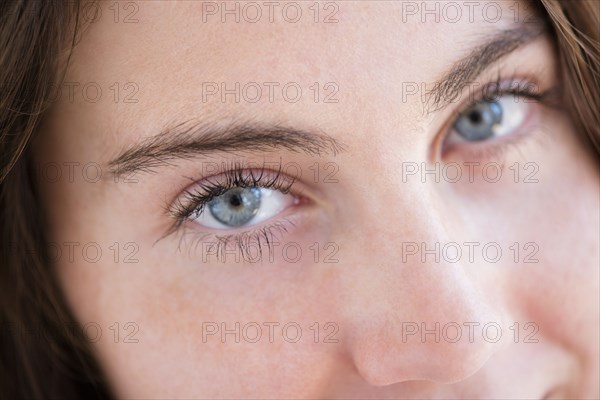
{"points": [[334, 199]]}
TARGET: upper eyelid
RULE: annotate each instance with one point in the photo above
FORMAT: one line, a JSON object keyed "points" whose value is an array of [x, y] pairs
{"points": [[478, 95], [500, 90], [246, 176]]}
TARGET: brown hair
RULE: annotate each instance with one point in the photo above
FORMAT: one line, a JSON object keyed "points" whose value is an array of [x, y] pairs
{"points": [[35, 40], [577, 38], [41, 354]]}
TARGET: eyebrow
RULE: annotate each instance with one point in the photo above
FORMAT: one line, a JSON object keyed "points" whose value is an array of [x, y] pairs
{"points": [[464, 71], [188, 140]]}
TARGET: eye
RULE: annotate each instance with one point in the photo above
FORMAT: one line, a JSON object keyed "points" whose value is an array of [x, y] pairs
{"points": [[489, 119], [243, 206]]}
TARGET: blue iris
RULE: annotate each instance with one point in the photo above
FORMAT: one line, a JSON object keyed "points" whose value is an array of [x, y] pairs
{"points": [[235, 207], [478, 122]]}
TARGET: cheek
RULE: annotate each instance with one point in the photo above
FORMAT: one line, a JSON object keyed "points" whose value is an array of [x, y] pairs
{"points": [[548, 232], [171, 316], [207, 329], [563, 286]]}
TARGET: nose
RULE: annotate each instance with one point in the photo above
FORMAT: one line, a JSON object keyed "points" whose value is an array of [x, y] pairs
{"points": [[413, 318]]}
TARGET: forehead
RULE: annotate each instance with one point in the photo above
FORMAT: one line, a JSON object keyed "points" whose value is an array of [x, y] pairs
{"points": [[160, 61], [266, 38]]}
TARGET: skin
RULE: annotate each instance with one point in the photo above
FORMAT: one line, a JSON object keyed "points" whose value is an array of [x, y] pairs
{"points": [[370, 295]]}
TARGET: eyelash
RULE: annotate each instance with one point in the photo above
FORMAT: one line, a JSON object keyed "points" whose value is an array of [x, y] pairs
{"points": [[194, 202], [243, 241], [235, 175]]}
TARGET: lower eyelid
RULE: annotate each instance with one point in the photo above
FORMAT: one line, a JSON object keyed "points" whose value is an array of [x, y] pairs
{"points": [[220, 243], [496, 153]]}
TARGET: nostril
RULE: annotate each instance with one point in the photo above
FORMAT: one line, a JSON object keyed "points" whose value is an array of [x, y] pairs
{"points": [[556, 393], [451, 362]]}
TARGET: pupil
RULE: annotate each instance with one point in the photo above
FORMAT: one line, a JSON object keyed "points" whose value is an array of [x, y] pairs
{"points": [[235, 200], [475, 117]]}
